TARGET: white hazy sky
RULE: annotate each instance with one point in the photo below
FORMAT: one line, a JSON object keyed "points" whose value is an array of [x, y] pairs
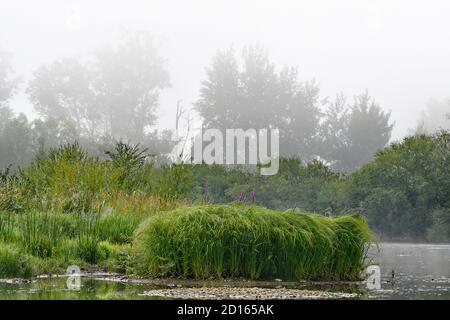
{"points": [[398, 49]]}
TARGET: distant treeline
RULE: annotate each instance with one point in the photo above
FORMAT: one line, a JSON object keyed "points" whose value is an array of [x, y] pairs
{"points": [[113, 94], [404, 191]]}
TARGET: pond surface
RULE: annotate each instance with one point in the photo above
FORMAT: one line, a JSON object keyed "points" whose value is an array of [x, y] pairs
{"points": [[413, 271], [408, 271]]}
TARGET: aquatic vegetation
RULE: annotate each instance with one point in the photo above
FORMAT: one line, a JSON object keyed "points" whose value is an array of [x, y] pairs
{"points": [[118, 228], [71, 208], [250, 242], [14, 263], [6, 226], [55, 240], [88, 238], [41, 234]]}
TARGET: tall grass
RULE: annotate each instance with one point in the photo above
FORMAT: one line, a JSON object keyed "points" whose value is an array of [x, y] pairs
{"points": [[41, 233], [88, 238], [14, 263], [6, 226], [250, 242], [67, 179], [118, 228]]}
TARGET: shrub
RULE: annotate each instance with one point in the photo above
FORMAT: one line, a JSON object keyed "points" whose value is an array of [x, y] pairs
{"points": [[251, 242], [129, 159]]}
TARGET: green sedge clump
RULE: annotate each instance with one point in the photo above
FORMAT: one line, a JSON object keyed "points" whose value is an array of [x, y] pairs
{"points": [[250, 242]]}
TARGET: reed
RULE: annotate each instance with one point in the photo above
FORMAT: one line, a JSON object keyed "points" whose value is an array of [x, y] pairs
{"points": [[251, 242], [14, 263], [118, 228]]}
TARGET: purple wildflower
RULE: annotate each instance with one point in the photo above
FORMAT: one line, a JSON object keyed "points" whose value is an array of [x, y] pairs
{"points": [[242, 197], [254, 195]]}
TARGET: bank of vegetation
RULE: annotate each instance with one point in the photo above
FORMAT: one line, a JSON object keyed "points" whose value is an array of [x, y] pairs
{"points": [[69, 207], [251, 242]]}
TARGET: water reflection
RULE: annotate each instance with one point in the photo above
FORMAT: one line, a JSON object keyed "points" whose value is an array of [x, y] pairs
{"points": [[408, 271]]}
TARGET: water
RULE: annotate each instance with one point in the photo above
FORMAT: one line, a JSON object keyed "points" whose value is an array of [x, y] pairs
{"points": [[408, 271], [413, 271]]}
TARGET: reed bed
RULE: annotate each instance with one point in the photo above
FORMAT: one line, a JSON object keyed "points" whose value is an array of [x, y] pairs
{"points": [[216, 241], [14, 263], [55, 240]]}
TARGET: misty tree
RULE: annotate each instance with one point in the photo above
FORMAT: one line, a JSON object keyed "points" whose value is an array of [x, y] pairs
{"points": [[219, 103], [252, 94], [62, 97], [259, 85], [115, 94], [8, 83], [15, 133], [299, 119], [334, 144], [16, 148], [128, 81], [352, 134], [52, 132], [435, 117]]}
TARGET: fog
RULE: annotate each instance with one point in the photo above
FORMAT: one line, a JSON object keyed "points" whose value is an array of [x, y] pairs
{"points": [[398, 50]]}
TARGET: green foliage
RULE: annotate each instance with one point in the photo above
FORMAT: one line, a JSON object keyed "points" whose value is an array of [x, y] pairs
{"points": [[251, 242], [127, 156], [9, 192], [295, 184], [404, 185], [70, 207], [128, 159], [14, 263], [118, 228], [174, 181], [6, 226], [41, 234], [88, 238], [55, 240], [67, 179], [389, 212], [439, 231]]}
